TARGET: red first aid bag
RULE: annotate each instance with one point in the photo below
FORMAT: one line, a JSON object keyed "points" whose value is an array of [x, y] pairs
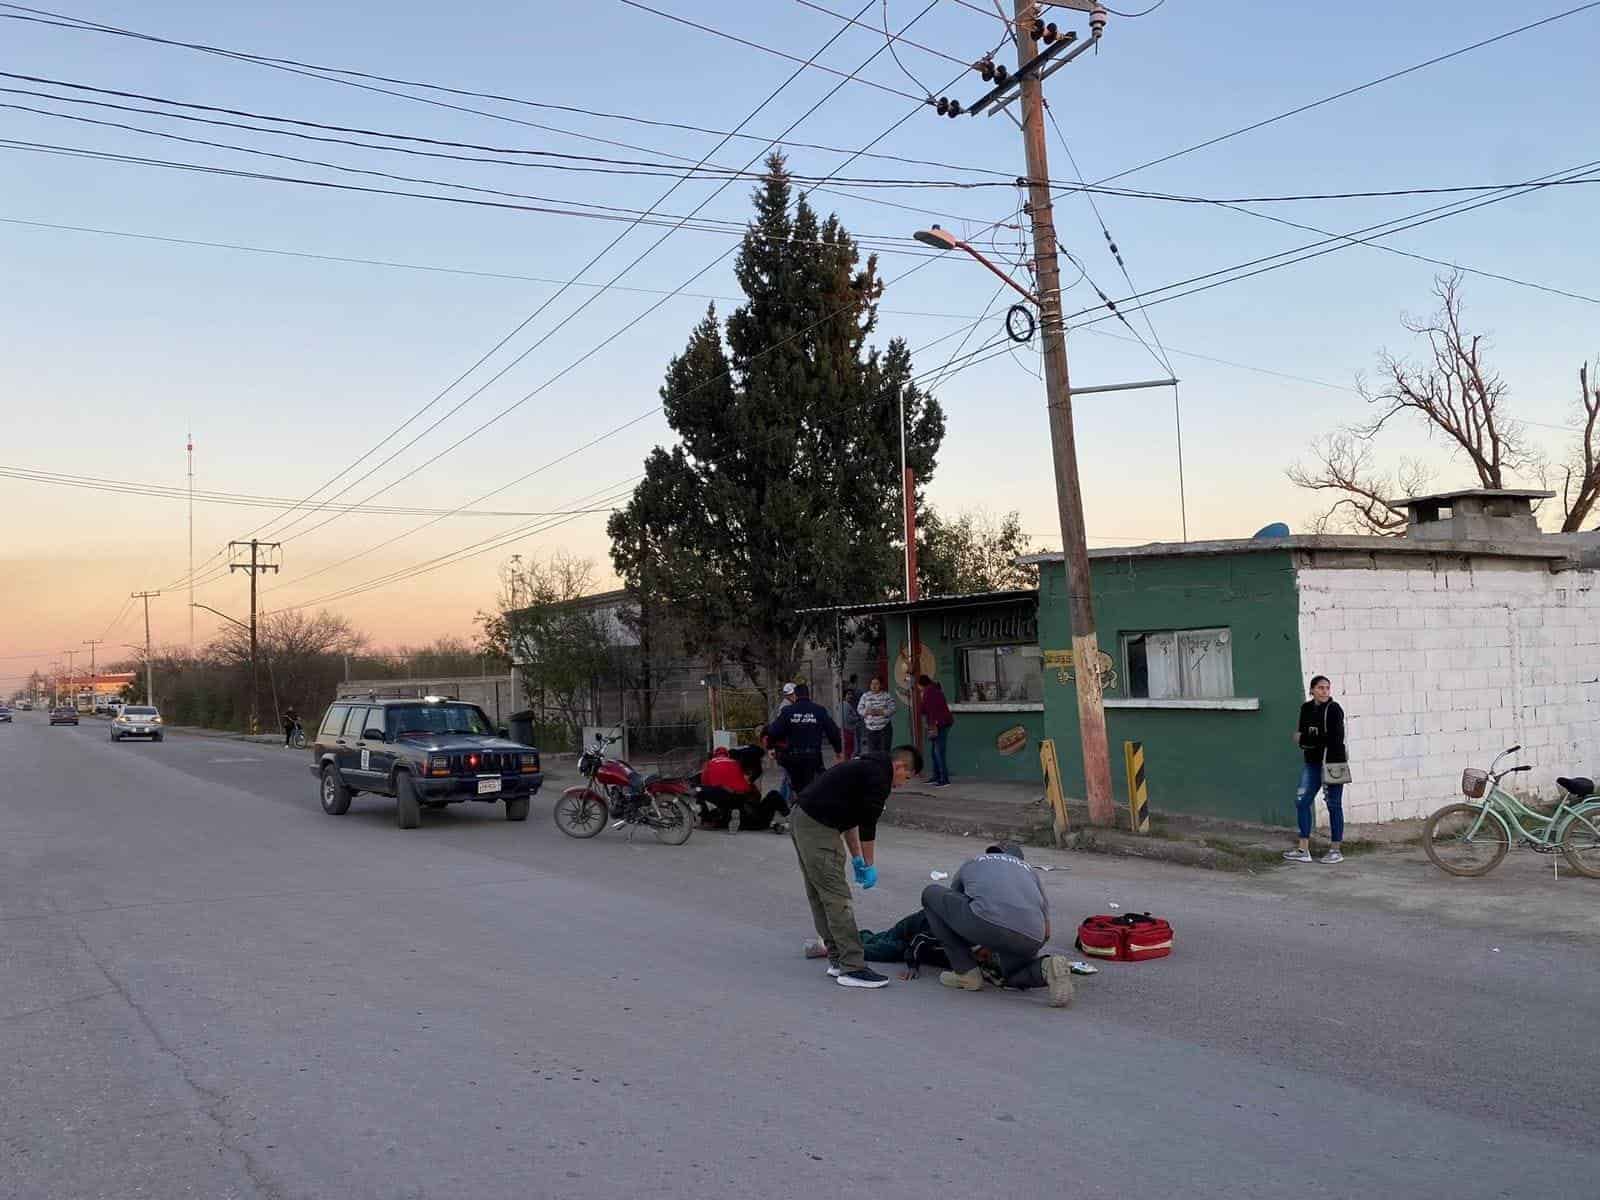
{"points": [[1130, 937]]}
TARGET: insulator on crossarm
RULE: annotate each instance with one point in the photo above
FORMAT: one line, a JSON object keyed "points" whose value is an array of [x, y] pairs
{"points": [[1051, 33], [1000, 72], [955, 108], [986, 69], [1037, 30], [943, 107]]}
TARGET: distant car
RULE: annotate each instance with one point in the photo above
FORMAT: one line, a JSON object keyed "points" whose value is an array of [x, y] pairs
{"points": [[26, 706], [5, 713], [137, 720], [426, 753], [64, 715]]}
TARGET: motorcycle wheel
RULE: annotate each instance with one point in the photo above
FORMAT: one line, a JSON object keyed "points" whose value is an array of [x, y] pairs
{"points": [[673, 821], [581, 812]]}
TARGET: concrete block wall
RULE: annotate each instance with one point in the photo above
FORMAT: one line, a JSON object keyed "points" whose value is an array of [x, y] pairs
{"points": [[1440, 669]]}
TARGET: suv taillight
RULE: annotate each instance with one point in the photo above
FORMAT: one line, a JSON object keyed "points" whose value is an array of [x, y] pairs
{"points": [[438, 765]]}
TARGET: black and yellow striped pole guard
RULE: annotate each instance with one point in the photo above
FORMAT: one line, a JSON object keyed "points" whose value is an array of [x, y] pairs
{"points": [[1138, 788]]}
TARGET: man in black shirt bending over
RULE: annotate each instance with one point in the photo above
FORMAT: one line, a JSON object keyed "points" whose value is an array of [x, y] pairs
{"points": [[845, 800]]}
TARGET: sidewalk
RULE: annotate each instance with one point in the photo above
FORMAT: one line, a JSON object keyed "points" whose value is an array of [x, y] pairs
{"points": [[994, 811]]}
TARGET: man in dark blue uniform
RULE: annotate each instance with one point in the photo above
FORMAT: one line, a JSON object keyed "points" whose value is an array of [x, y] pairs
{"points": [[800, 729]]}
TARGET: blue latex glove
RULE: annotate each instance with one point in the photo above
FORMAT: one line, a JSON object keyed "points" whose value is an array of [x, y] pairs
{"points": [[866, 876]]}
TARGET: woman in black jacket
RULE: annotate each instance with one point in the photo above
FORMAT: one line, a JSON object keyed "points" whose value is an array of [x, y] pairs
{"points": [[1320, 734]]}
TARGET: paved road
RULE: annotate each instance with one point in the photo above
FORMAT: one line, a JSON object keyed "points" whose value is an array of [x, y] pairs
{"points": [[208, 988]]}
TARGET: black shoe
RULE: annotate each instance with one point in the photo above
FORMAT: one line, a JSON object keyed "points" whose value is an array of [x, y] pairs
{"points": [[866, 977]]}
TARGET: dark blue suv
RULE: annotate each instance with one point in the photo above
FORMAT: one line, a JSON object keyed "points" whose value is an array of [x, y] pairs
{"points": [[426, 753]]}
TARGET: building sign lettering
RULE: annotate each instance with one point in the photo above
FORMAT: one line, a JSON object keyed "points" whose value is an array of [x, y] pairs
{"points": [[1018, 625]]}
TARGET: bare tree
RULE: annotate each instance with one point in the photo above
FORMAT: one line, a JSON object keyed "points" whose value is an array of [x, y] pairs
{"points": [[1366, 495], [1457, 396], [1580, 490], [565, 647]]}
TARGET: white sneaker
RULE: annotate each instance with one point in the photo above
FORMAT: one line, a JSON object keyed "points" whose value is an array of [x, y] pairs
{"points": [[1331, 857], [1298, 856], [835, 970]]}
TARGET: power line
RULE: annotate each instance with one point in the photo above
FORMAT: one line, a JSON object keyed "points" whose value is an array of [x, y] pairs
{"points": [[586, 210], [83, 26], [1350, 91], [892, 38], [165, 492], [405, 266], [882, 87], [643, 416], [596, 349], [652, 308], [527, 321], [1548, 289], [506, 155], [1316, 249], [974, 358]]}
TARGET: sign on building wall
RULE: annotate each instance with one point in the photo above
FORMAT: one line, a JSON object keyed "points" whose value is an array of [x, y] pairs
{"points": [[1012, 741], [1019, 625]]}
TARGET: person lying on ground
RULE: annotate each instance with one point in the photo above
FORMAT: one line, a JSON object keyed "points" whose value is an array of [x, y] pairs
{"points": [[996, 901]]}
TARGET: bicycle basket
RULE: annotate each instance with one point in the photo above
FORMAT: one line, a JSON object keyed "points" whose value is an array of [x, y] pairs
{"points": [[1474, 783]]}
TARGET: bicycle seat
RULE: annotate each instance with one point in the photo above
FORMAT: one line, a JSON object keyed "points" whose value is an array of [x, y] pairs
{"points": [[1578, 785]]}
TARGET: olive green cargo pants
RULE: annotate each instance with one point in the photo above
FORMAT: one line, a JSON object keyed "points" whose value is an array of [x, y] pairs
{"points": [[822, 866]]}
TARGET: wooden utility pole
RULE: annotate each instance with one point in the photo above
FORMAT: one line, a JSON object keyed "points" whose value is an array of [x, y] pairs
{"points": [[255, 566], [149, 668], [93, 642], [1058, 392]]}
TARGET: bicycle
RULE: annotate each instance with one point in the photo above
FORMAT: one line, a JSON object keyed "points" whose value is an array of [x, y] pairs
{"points": [[297, 736], [1472, 839]]}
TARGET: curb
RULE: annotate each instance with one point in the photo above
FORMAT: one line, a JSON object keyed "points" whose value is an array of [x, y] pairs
{"points": [[1088, 841]]}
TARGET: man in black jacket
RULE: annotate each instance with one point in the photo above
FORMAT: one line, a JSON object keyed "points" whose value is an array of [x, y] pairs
{"points": [[845, 800], [799, 728]]}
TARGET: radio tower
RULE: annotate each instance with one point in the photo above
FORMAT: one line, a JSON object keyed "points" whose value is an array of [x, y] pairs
{"points": [[191, 546]]}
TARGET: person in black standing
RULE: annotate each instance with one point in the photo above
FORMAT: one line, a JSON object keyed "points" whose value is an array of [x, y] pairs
{"points": [[846, 801], [800, 729], [1320, 734]]}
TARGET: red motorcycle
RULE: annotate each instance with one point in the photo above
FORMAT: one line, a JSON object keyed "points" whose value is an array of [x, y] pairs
{"points": [[614, 793]]}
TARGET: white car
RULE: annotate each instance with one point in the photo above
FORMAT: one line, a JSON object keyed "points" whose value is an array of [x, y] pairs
{"points": [[137, 720]]}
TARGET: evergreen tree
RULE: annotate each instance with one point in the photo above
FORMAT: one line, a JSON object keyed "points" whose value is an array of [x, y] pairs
{"points": [[783, 491]]}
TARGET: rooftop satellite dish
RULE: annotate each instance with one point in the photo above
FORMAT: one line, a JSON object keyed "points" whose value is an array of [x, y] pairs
{"points": [[1276, 530]]}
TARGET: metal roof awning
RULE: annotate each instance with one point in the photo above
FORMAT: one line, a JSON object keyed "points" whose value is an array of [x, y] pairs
{"points": [[930, 604]]}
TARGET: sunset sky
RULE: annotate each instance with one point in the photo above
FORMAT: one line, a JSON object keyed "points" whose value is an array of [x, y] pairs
{"points": [[121, 334]]}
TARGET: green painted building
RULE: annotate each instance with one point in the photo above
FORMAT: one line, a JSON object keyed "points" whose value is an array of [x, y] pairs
{"points": [[1206, 665], [1206, 674]]}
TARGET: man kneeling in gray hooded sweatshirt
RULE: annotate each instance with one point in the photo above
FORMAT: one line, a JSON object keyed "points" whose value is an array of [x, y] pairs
{"points": [[997, 903]]}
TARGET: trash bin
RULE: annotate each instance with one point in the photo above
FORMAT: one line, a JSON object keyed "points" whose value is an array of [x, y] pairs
{"points": [[520, 726]]}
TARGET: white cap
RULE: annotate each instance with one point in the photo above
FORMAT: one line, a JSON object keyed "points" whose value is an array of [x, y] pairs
{"points": [[788, 689]]}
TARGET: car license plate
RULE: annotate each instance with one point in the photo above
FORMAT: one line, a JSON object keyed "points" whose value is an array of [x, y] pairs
{"points": [[488, 787]]}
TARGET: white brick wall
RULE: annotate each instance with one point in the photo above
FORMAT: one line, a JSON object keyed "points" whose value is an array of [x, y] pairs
{"points": [[1442, 669]]}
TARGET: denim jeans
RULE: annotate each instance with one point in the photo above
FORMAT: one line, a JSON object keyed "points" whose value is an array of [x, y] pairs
{"points": [[1306, 798], [941, 768]]}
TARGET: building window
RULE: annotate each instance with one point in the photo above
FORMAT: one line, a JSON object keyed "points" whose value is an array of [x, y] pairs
{"points": [[1002, 674], [1181, 664]]}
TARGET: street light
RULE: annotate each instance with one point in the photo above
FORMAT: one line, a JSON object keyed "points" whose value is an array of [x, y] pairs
{"points": [[943, 239]]}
